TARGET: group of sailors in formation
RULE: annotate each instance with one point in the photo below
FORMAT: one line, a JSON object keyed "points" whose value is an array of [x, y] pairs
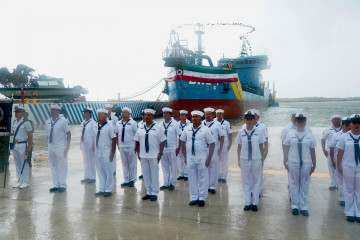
{"points": [[198, 150]]}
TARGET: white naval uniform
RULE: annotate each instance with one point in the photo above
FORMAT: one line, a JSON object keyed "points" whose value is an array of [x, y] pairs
{"points": [[114, 119], [149, 162], [86, 147], [299, 177], [127, 148], [327, 134], [290, 127], [351, 174], [19, 151], [197, 171], [103, 164], [169, 160], [224, 156], [251, 169], [58, 162], [181, 163], [217, 131]]}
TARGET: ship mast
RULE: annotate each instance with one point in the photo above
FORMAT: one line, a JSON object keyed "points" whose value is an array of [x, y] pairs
{"points": [[244, 52], [199, 31]]}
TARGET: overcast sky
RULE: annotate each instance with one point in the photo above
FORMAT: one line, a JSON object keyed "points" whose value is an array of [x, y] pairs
{"points": [[116, 46]]}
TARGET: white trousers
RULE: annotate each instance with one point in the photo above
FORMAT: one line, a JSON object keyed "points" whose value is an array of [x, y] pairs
{"points": [[129, 164], [299, 184], [251, 174], [105, 170], [19, 154], [351, 186], [181, 165], [198, 179], [113, 163], [331, 172], [59, 165], [224, 163], [169, 167], [150, 170], [88, 161], [213, 170], [339, 183]]}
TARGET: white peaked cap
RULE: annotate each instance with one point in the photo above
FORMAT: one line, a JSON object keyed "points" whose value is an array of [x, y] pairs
{"points": [[184, 111], [102, 110], [197, 112], [294, 111], [335, 116], [219, 111], [345, 118], [127, 109], [300, 114], [108, 105], [55, 106], [209, 109], [167, 109], [149, 110], [18, 107]]}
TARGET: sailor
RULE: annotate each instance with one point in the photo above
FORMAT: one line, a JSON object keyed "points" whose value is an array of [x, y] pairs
{"points": [[149, 145], [141, 124], [218, 133], [300, 162], [30, 154], [126, 130], [224, 155], [104, 143], [113, 119], [250, 153], [181, 163], [195, 140], [345, 122], [86, 146], [348, 162], [326, 137], [23, 139], [172, 131], [59, 139]]}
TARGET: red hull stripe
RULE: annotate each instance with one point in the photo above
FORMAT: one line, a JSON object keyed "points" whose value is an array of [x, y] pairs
{"points": [[204, 80]]}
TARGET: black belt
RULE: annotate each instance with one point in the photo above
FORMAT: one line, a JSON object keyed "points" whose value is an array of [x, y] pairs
{"points": [[16, 142]]}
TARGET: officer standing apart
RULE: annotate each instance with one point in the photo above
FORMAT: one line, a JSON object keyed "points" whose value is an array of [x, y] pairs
{"points": [[224, 155], [181, 163], [149, 145], [195, 140], [112, 119], [59, 139], [86, 146], [23, 138], [172, 131], [326, 137], [126, 130], [104, 143]]}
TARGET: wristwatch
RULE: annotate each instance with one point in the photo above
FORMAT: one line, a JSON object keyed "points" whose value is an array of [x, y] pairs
{"points": [[160, 153]]}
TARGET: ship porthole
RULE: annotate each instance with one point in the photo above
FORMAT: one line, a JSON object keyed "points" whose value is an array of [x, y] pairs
{"points": [[179, 72]]}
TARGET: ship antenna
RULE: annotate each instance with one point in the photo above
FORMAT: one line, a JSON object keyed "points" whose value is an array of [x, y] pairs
{"points": [[199, 31]]}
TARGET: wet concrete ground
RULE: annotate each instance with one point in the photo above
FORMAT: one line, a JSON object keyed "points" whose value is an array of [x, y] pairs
{"points": [[34, 213]]}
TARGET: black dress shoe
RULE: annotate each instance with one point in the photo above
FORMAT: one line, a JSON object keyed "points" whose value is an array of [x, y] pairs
{"points": [[125, 184], [171, 187], [254, 208], [54, 189], [62, 189], [186, 178], [212, 191], [86, 180], [350, 218], [146, 197], [305, 213], [180, 178], [342, 203], [295, 211], [247, 207], [219, 180], [164, 187], [201, 203], [153, 198], [141, 176], [91, 181], [224, 180], [194, 202], [107, 194], [98, 194], [131, 183]]}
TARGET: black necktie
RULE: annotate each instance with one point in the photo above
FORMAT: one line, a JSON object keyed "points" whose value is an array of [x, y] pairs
{"points": [[166, 128], [83, 131], [52, 129], [222, 121], [183, 126], [300, 148], [123, 130], [356, 148], [335, 129], [249, 143], [147, 137], [98, 133], [193, 140]]}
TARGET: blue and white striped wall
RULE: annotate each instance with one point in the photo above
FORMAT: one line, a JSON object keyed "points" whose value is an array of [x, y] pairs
{"points": [[40, 112]]}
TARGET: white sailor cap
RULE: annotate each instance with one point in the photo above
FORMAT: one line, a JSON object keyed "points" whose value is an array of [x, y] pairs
{"points": [[102, 110], [294, 111], [197, 112], [55, 106], [167, 109], [19, 108], [108, 105], [87, 109], [345, 120], [209, 109], [249, 114], [149, 110], [335, 116], [219, 111], [127, 109], [183, 111], [355, 117]]}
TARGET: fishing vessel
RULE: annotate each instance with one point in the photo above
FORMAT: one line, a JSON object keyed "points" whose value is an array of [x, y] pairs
{"points": [[234, 84]]}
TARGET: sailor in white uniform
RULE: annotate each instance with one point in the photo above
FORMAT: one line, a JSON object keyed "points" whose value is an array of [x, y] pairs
{"points": [[113, 120], [300, 162], [172, 131], [345, 122], [184, 122], [224, 155], [219, 135], [250, 153], [59, 139], [149, 145], [141, 124], [126, 130], [348, 162], [326, 137], [104, 143], [23, 138], [195, 140]]}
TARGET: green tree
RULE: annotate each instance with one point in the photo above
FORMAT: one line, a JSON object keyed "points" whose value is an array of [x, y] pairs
{"points": [[21, 75], [5, 77]]}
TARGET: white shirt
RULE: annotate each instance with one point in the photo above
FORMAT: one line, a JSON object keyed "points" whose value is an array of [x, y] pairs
{"points": [[227, 130], [256, 139], [327, 134], [307, 143], [22, 134], [173, 132], [156, 136], [114, 119], [216, 129], [334, 140], [107, 133], [290, 127], [203, 138], [182, 126], [61, 127], [89, 133], [346, 143], [130, 131]]}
